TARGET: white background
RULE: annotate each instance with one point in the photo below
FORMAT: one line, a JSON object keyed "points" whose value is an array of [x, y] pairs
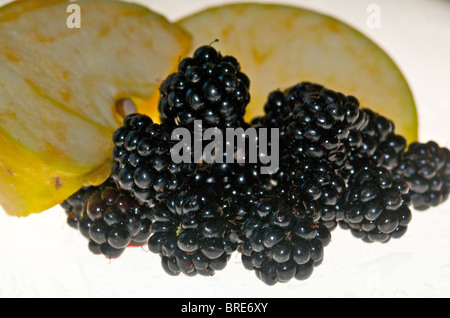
{"points": [[42, 257]]}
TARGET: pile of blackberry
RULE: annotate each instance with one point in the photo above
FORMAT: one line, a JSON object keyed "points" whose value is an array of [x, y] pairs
{"points": [[340, 166]]}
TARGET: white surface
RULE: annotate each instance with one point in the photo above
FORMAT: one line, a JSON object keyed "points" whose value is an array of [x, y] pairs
{"points": [[42, 257]]}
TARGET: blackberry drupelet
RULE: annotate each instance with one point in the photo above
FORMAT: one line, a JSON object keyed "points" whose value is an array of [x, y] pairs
{"points": [[208, 87], [142, 160], [375, 141], [191, 234], [281, 242], [426, 169], [111, 219], [378, 204]]}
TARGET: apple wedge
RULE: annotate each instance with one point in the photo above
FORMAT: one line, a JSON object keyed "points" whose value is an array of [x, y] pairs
{"points": [[59, 85], [279, 46]]}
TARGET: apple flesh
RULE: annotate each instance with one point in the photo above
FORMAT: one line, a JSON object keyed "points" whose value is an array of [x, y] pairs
{"points": [[279, 46], [58, 88]]}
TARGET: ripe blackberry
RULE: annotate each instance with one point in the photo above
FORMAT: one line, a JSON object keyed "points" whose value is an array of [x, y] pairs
{"points": [[426, 169], [110, 218], [321, 124], [314, 186], [208, 87], [378, 204], [281, 242], [190, 233], [237, 206], [142, 160], [314, 121], [74, 205], [375, 140], [277, 110]]}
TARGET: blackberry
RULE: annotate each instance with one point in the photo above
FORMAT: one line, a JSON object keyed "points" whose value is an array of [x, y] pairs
{"points": [[281, 242], [321, 122], [190, 233], [277, 110], [376, 141], [142, 160], [314, 186], [208, 87], [314, 183], [75, 204], [237, 207], [378, 204], [426, 169], [316, 122], [110, 218]]}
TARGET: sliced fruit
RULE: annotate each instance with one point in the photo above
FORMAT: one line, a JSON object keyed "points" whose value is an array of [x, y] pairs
{"points": [[58, 87], [279, 46]]}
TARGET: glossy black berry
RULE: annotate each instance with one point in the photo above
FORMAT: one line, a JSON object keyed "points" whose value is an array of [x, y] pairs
{"points": [[281, 242], [207, 87], [426, 169], [378, 204], [75, 206], [314, 187], [191, 234], [314, 121], [374, 140], [143, 163], [110, 218], [321, 123]]}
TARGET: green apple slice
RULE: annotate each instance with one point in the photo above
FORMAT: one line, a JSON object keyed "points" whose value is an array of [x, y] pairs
{"points": [[279, 46], [59, 81]]}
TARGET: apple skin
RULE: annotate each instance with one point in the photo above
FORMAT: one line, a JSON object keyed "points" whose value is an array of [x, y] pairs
{"points": [[279, 46]]}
